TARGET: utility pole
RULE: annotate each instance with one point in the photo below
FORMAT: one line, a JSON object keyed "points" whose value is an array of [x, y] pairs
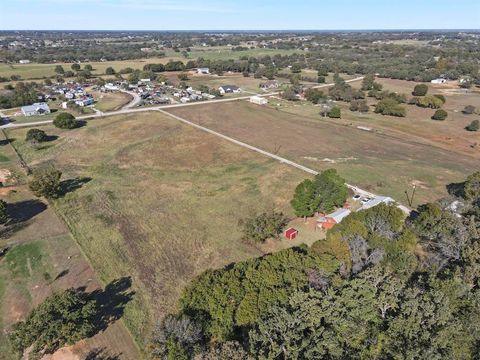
{"points": [[410, 199]]}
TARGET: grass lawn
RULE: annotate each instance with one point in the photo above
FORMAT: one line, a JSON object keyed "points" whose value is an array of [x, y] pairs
{"points": [[43, 258], [382, 163], [110, 101], [163, 204]]}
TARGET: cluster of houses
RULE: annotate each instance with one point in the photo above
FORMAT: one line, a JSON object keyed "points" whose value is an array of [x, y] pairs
{"points": [[74, 92]]}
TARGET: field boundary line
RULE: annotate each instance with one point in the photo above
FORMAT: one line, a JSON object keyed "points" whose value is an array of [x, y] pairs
{"points": [[269, 154]]}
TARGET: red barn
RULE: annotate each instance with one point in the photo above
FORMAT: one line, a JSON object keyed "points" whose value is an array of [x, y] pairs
{"points": [[291, 233]]}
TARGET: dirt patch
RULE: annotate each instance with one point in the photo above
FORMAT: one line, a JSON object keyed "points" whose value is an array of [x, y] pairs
{"points": [[6, 177]]}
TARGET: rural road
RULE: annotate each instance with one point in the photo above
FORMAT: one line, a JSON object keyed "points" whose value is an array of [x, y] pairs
{"points": [[135, 101], [128, 110], [162, 109], [283, 160]]}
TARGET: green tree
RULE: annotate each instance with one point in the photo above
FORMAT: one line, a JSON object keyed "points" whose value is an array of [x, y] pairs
{"points": [[440, 115], [59, 70], [65, 121], [109, 71], [303, 199], [88, 67], [36, 135], [264, 226], [335, 113], [75, 67], [296, 69], [62, 319], [46, 182], [471, 187], [474, 126], [3, 212], [368, 82], [389, 106], [183, 76], [420, 90], [330, 190]]}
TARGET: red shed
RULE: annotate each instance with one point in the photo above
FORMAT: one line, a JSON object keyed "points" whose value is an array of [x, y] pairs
{"points": [[291, 233]]}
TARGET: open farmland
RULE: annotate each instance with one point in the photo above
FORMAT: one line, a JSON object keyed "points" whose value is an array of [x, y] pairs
{"points": [[381, 163], [44, 258], [163, 202]]}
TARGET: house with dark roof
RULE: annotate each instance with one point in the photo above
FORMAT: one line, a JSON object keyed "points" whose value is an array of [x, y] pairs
{"points": [[225, 89]]}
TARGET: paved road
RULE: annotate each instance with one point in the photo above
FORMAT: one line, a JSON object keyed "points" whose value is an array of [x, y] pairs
{"points": [[129, 110], [135, 101]]}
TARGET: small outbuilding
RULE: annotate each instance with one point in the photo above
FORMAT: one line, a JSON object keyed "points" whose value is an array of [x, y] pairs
{"points": [[291, 233], [329, 221], [258, 100]]}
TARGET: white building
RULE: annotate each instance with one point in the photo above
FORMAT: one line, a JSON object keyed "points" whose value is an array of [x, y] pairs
{"points": [[229, 89], [258, 100], [377, 200], [111, 87], [203, 71], [24, 61], [439, 81], [36, 109]]}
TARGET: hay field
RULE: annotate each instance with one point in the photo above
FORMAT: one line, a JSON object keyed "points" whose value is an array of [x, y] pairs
{"points": [[163, 202]]}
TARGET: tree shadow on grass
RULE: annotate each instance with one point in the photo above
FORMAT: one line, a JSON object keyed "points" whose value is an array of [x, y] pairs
{"points": [[23, 211], [71, 185], [4, 142], [110, 302], [51, 138], [101, 354], [456, 189]]}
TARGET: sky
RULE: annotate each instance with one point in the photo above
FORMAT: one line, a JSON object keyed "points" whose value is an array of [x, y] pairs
{"points": [[238, 15]]}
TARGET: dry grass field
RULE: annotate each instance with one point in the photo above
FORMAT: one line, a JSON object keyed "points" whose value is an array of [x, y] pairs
{"points": [[160, 202], [110, 101], [43, 258], [385, 164]]}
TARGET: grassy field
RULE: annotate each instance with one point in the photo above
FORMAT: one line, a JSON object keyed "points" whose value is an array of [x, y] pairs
{"points": [[385, 164], [43, 258], [39, 71], [163, 203], [110, 101]]}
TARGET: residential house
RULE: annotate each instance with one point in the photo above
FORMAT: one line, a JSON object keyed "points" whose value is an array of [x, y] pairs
{"points": [[377, 200], [85, 101], [24, 61], [329, 221], [225, 89], [36, 109], [270, 84]]}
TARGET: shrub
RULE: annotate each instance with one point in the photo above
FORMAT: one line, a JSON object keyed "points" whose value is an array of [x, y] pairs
{"points": [[335, 113], [36, 135], [420, 90], [431, 102], [440, 115], [65, 121], [441, 98], [474, 126], [264, 226], [46, 182], [359, 105], [390, 107], [469, 110], [321, 79], [110, 71]]}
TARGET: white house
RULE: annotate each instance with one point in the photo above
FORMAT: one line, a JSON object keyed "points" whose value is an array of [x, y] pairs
{"points": [[36, 109], [84, 101], [111, 87], [203, 71], [229, 89], [24, 61], [258, 100], [439, 81], [377, 200]]}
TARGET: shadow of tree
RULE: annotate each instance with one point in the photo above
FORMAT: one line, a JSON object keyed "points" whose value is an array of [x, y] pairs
{"points": [[101, 354], [51, 138], [71, 185], [61, 274], [8, 231], [4, 142], [110, 302], [25, 210], [456, 189]]}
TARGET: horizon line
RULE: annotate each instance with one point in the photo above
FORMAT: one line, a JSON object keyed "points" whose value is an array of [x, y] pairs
{"points": [[250, 30]]}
